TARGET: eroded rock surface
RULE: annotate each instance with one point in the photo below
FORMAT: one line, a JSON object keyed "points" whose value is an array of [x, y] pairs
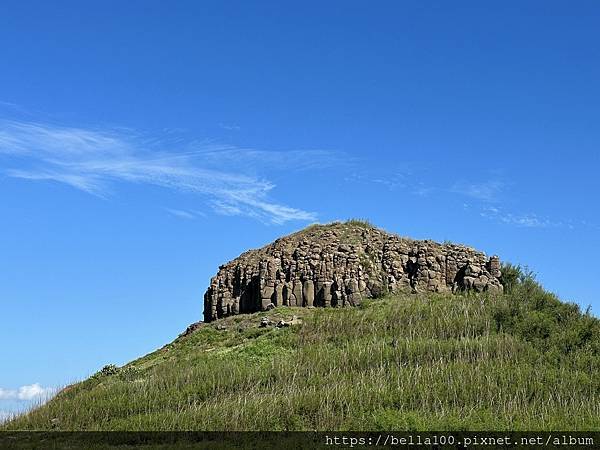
{"points": [[339, 265]]}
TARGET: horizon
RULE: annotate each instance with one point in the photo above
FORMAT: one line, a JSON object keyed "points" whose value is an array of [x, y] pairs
{"points": [[142, 145]]}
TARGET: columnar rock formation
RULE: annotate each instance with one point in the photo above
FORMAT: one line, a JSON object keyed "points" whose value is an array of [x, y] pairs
{"points": [[340, 264]]}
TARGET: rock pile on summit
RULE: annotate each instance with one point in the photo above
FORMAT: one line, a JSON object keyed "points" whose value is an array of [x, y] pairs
{"points": [[339, 265]]}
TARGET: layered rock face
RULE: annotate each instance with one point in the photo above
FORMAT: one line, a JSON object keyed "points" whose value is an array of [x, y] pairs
{"points": [[339, 265]]}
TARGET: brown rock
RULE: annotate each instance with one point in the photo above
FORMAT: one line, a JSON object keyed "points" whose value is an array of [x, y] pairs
{"points": [[325, 265], [308, 293]]}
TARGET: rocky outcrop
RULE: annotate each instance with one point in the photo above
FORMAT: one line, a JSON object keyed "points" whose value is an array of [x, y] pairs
{"points": [[339, 265]]}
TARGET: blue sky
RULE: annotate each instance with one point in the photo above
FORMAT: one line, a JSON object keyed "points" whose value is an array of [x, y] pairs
{"points": [[144, 143]]}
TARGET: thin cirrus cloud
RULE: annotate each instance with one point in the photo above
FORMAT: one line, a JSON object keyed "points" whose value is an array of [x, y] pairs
{"points": [[181, 213], [487, 191], [94, 160], [230, 127], [529, 220]]}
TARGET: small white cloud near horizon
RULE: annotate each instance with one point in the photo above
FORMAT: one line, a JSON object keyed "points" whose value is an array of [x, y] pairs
{"points": [[94, 160], [27, 393], [7, 394]]}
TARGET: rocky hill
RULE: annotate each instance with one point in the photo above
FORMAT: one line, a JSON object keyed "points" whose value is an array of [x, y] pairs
{"points": [[339, 265], [514, 357]]}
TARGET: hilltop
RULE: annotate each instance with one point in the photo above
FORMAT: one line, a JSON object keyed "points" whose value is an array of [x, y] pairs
{"points": [[341, 263], [515, 358]]}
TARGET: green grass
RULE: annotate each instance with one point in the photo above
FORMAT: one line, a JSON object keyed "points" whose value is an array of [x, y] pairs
{"points": [[361, 223], [522, 360]]}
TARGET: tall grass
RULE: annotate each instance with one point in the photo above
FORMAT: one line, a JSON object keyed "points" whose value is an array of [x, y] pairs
{"points": [[522, 360], [361, 223]]}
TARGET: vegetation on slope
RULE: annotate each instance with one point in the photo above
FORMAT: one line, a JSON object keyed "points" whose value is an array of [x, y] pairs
{"points": [[522, 360]]}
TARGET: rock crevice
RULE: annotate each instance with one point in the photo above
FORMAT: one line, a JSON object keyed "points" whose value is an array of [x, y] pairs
{"points": [[339, 265]]}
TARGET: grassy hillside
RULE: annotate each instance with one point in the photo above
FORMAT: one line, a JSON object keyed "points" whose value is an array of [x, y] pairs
{"points": [[523, 360]]}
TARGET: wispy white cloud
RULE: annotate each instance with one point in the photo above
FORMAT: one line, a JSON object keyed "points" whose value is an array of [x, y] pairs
{"points": [[9, 104], [229, 127], [422, 190], [226, 209], [528, 220], [88, 183], [93, 160], [184, 214], [297, 160], [391, 183], [486, 191], [26, 393], [395, 177]]}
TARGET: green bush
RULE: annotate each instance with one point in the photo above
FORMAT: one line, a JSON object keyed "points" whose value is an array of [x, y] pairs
{"points": [[514, 275], [109, 369], [129, 373], [363, 223]]}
